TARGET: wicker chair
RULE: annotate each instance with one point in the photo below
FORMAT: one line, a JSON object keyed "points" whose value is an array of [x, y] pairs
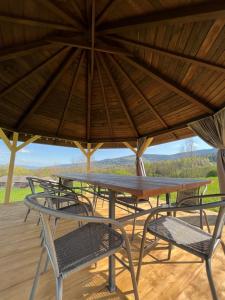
{"points": [[73, 202], [184, 235], [79, 248], [131, 202]]}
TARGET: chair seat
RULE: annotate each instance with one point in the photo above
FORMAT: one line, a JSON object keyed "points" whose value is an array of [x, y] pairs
{"points": [[130, 200], [77, 208], [85, 244], [182, 234]]}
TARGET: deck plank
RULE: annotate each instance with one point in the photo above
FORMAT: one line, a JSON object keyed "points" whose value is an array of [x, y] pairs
{"points": [[178, 279]]}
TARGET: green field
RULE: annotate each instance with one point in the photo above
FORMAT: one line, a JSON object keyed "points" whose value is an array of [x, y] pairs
{"points": [[18, 194]]}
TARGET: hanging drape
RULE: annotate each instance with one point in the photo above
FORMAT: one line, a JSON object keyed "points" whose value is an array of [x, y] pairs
{"points": [[212, 131], [140, 167]]}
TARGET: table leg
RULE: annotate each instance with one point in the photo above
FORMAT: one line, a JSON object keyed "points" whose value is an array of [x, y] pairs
{"points": [[112, 285], [168, 202]]}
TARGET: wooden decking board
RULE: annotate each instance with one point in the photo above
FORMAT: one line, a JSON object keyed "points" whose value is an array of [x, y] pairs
{"points": [[177, 279]]}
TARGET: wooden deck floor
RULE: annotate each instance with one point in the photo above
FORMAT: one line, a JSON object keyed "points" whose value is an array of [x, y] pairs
{"points": [[20, 248]]}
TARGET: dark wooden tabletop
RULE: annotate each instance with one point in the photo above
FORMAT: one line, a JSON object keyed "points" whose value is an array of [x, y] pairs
{"points": [[139, 186]]}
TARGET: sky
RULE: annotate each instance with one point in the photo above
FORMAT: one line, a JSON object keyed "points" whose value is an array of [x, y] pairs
{"points": [[37, 155]]}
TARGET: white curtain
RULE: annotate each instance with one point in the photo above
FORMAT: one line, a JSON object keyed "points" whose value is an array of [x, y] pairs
{"points": [[212, 131], [140, 167]]}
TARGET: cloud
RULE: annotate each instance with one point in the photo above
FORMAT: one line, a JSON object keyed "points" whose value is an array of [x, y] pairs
{"points": [[24, 151]]}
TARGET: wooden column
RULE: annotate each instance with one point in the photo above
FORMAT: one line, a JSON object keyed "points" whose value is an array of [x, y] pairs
{"points": [[88, 153], [139, 152], [13, 148]]}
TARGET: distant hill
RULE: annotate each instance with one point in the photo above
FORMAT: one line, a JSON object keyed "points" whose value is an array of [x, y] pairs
{"points": [[129, 160], [126, 160]]}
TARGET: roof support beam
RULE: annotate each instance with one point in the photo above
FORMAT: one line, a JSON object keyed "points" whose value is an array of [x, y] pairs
{"points": [[72, 89], [184, 58], [47, 88], [171, 86], [130, 147], [210, 11], [30, 73], [92, 38], [62, 14], [104, 12], [123, 104], [35, 23], [83, 44], [139, 92], [104, 98], [89, 96], [88, 153], [21, 50], [144, 146], [13, 148]]}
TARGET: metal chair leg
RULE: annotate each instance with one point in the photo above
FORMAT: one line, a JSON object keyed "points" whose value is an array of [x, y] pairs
{"points": [[37, 275], [223, 245], [134, 223], [27, 214], [206, 221], [210, 279], [59, 288], [141, 255], [170, 247], [132, 274]]}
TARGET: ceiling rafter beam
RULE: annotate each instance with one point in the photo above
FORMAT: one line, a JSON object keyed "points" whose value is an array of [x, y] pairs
{"points": [[47, 88], [139, 92], [171, 54], [61, 13], [104, 12], [170, 85], [122, 102], [21, 50], [92, 37], [104, 97], [84, 45], [210, 11], [30, 73], [89, 95], [35, 23], [72, 89]]}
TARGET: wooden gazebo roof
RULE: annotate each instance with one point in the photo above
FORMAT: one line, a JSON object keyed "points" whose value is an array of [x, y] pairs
{"points": [[110, 71]]}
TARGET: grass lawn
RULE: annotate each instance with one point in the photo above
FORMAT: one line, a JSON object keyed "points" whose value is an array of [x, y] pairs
{"points": [[18, 194]]}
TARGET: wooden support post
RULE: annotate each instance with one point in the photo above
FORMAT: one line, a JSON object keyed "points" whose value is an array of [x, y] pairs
{"points": [[13, 148], [88, 153]]}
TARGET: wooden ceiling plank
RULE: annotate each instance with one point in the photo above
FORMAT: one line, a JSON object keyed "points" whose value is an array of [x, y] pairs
{"points": [[208, 11], [35, 23], [31, 72], [139, 92], [47, 89], [182, 57], [171, 86], [123, 104], [72, 89], [59, 12], [85, 45], [104, 12], [22, 50], [104, 97]]}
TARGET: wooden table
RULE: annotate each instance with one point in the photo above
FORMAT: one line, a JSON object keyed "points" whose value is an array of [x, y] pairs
{"points": [[139, 186]]}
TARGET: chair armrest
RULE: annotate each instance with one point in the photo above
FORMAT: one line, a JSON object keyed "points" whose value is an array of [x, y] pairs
{"points": [[166, 208]]}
